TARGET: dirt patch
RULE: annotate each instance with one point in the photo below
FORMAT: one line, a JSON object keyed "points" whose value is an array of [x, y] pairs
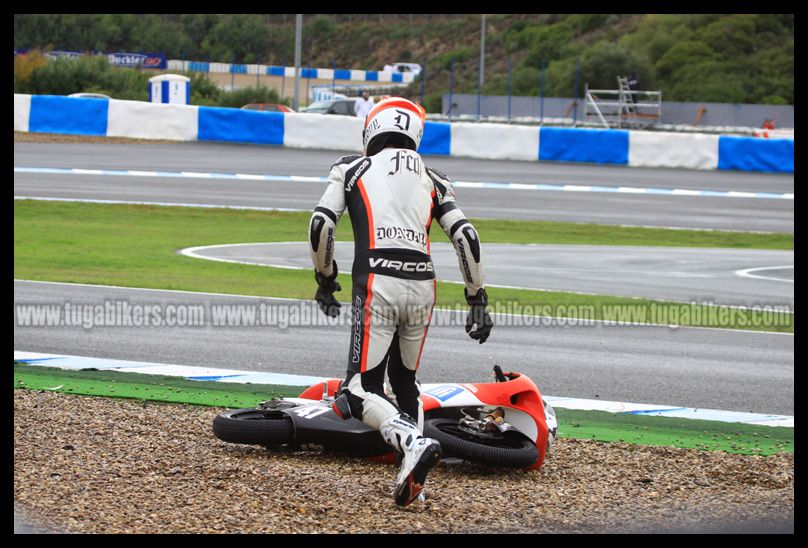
{"points": [[26, 137], [84, 464]]}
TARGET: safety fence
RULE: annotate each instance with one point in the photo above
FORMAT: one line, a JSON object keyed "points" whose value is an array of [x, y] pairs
{"points": [[115, 118]]}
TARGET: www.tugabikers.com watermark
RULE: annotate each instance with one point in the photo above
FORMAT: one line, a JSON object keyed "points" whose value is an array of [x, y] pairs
{"points": [[293, 314]]}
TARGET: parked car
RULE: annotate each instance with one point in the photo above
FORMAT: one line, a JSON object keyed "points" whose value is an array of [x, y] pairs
{"points": [[344, 107], [415, 68], [268, 107], [91, 96]]}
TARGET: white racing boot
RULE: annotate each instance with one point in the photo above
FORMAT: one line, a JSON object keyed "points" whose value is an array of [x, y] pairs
{"points": [[419, 454]]}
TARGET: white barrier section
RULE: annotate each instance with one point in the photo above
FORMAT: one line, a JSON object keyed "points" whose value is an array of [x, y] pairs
{"points": [[143, 120], [22, 111], [495, 141], [688, 150], [305, 130]]}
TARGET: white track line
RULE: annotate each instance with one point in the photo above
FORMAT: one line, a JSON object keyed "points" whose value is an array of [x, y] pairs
{"points": [[747, 273], [212, 374]]}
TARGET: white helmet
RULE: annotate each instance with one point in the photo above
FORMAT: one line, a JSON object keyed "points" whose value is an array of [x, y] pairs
{"points": [[394, 115]]}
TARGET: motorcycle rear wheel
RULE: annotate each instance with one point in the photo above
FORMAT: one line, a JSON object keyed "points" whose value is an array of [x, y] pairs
{"points": [[252, 427], [512, 450]]}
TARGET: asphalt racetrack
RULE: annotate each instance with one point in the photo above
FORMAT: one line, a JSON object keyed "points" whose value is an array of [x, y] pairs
{"points": [[705, 212], [741, 277], [690, 367], [707, 368]]}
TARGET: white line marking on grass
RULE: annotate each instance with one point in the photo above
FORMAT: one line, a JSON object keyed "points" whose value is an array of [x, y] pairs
{"points": [[747, 273]]}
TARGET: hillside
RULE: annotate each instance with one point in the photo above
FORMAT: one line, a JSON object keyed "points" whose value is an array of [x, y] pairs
{"points": [[744, 58]]}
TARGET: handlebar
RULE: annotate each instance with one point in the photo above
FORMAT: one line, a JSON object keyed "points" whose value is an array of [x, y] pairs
{"points": [[504, 377]]}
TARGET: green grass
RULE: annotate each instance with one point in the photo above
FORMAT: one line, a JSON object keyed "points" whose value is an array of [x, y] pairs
{"points": [[594, 425], [136, 246], [549, 232]]}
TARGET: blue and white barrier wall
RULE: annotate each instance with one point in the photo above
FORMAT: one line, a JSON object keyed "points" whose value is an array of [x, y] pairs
{"points": [[114, 118], [305, 72]]}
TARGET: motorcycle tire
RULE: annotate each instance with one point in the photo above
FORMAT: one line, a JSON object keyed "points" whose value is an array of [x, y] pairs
{"points": [[252, 427], [513, 450]]}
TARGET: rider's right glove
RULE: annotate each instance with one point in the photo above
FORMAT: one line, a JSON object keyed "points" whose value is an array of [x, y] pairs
{"points": [[326, 287], [478, 315]]}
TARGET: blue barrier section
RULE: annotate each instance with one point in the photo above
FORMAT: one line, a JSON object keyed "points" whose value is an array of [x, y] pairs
{"points": [[71, 115], [308, 73], [371, 75], [756, 154], [398, 77], [276, 71], [437, 138], [241, 126], [199, 66], [238, 69], [342, 74], [599, 146]]}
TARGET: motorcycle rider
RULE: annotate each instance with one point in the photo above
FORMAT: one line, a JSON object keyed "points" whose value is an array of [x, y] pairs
{"points": [[392, 198]]}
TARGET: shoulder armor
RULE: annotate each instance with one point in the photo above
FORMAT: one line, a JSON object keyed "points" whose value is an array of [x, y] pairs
{"points": [[346, 159], [432, 171]]}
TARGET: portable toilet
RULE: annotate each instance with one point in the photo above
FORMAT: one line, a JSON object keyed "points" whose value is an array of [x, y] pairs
{"points": [[170, 88]]}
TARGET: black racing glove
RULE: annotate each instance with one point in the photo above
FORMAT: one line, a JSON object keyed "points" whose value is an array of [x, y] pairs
{"points": [[478, 315], [326, 287]]}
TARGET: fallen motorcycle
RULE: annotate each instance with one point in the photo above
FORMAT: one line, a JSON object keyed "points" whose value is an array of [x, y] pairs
{"points": [[504, 423]]}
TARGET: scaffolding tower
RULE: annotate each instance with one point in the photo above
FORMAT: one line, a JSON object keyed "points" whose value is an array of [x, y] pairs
{"points": [[622, 107]]}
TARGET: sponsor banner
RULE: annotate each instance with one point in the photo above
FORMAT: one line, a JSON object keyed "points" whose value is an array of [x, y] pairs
{"points": [[138, 60], [119, 59]]}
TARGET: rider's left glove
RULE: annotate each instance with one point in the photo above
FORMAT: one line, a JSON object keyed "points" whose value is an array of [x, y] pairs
{"points": [[326, 287], [478, 315]]}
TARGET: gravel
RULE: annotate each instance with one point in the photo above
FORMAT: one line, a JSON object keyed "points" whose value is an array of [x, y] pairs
{"points": [[100, 465]]}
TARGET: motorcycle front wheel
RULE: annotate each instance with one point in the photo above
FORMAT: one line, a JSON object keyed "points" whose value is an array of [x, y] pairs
{"points": [[510, 450], [253, 427]]}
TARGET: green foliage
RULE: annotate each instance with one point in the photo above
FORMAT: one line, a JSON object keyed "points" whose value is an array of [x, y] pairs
{"points": [[64, 76], [460, 55], [744, 57], [602, 64], [94, 74], [682, 55], [544, 43], [240, 97], [24, 66]]}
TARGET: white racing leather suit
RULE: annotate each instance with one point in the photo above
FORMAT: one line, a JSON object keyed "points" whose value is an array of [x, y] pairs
{"points": [[391, 198]]}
